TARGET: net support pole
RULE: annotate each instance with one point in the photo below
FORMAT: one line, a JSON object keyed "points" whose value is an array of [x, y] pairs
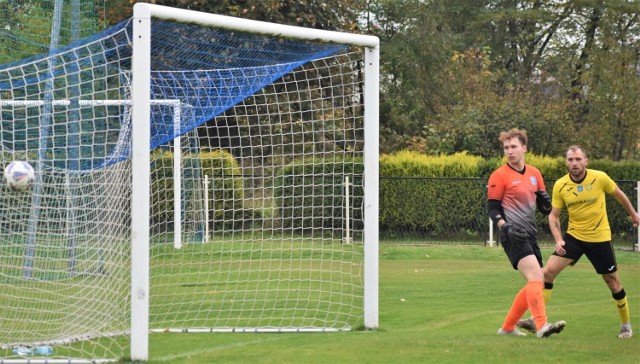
{"points": [[347, 209], [206, 207], [140, 166], [177, 179], [371, 185], [46, 122], [491, 241]]}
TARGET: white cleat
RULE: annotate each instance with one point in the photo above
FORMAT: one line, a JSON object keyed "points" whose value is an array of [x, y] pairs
{"points": [[514, 332], [625, 333], [549, 329]]}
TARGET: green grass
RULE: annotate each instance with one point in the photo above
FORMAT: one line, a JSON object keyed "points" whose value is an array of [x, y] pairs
{"points": [[443, 305]]}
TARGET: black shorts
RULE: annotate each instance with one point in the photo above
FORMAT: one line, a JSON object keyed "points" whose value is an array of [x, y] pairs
{"points": [[601, 255], [516, 251]]}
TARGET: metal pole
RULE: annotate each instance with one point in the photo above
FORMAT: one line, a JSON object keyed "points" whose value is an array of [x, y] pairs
{"points": [[206, 208], [46, 120], [177, 179], [347, 208], [491, 242], [73, 145], [371, 186], [141, 170]]}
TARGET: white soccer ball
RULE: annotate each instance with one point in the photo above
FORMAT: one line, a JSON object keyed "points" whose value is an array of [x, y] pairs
{"points": [[19, 176]]}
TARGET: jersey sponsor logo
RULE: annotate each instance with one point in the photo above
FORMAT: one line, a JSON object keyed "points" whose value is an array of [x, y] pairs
{"points": [[516, 182], [533, 180], [579, 202]]}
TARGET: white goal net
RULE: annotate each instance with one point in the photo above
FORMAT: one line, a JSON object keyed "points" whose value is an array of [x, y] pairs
{"points": [[192, 173]]}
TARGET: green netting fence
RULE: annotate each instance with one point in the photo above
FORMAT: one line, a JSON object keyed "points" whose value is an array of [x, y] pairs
{"points": [[32, 27]]}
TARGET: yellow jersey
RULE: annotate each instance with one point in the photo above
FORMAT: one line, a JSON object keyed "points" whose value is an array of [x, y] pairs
{"points": [[586, 205]]}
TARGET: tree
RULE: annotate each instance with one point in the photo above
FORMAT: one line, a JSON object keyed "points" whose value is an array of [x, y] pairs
{"points": [[546, 65], [543, 65], [417, 43], [485, 107], [611, 87], [319, 14], [581, 52], [27, 26]]}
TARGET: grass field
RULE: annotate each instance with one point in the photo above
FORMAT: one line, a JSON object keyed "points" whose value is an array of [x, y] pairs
{"points": [[443, 305]]}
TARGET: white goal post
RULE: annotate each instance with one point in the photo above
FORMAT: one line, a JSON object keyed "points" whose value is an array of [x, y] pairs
{"points": [[143, 15]]}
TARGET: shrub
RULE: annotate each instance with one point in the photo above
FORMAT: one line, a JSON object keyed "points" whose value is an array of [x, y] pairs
{"points": [[225, 187], [443, 196], [309, 193]]}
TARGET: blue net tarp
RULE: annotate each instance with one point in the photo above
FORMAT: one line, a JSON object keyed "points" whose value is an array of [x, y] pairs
{"points": [[50, 103]]}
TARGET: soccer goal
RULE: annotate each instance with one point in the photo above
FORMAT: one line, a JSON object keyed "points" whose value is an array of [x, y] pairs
{"points": [[193, 173]]}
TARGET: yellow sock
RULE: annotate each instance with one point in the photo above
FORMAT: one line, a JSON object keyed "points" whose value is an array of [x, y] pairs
{"points": [[623, 309], [546, 293]]}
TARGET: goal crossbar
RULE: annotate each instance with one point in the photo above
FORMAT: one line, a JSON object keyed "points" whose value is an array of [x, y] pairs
{"points": [[68, 102], [147, 11]]}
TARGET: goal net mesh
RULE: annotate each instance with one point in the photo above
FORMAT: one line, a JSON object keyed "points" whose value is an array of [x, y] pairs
{"points": [[256, 189]]}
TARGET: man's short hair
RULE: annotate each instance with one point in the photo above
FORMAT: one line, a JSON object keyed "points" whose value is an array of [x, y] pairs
{"points": [[575, 148], [521, 134]]}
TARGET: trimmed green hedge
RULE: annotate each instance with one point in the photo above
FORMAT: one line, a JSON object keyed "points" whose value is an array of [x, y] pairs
{"points": [[412, 164], [415, 196], [419, 194], [431, 195], [434, 206], [309, 193], [226, 191]]}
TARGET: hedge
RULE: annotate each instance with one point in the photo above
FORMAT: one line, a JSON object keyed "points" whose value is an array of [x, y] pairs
{"points": [[309, 193], [226, 192], [430, 195], [435, 194]]}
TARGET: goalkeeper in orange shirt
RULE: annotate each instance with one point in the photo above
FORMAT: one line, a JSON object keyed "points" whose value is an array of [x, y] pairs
{"points": [[515, 190], [582, 192]]}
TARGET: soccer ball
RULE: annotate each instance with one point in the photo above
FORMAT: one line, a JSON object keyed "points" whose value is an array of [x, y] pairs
{"points": [[19, 176]]}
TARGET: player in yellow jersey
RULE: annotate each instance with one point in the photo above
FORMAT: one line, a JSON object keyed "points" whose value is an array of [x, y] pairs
{"points": [[582, 192], [515, 190]]}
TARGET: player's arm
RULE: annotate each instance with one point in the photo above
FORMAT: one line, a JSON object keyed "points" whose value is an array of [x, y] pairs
{"points": [[494, 208], [556, 230], [624, 201]]}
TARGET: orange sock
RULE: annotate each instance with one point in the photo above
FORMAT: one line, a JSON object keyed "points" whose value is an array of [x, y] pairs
{"points": [[535, 301], [518, 308]]}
